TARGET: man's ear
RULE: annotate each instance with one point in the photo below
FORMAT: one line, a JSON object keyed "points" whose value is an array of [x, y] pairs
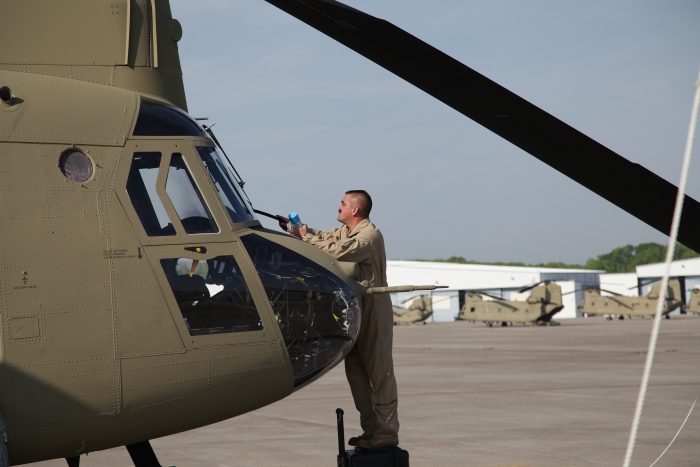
{"points": [[355, 211]]}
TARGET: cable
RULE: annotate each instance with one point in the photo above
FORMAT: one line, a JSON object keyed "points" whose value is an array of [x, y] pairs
{"points": [[664, 282], [679, 431]]}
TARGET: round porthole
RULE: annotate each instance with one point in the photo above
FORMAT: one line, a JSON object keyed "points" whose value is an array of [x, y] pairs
{"points": [[76, 166], [5, 94]]}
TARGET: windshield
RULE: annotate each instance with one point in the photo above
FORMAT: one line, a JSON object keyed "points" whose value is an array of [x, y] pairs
{"points": [[225, 185], [160, 120], [318, 314]]}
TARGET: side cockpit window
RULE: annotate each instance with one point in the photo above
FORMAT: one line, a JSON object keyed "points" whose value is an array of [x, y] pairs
{"points": [[224, 184], [160, 120], [141, 188], [187, 200], [212, 295]]}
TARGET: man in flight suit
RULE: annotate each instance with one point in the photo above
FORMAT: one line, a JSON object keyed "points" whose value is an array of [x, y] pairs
{"points": [[368, 366]]}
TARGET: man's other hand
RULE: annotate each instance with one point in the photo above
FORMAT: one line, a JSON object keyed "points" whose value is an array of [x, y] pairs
{"points": [[298, 231]]}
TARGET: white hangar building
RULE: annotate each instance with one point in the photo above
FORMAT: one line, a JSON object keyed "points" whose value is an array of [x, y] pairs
{"points": [[502, 281]]}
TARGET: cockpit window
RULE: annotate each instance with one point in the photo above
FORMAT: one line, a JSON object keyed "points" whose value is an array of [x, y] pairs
{"points": [[160, 120], [212, 295], [224, 185], [187, 200], [318, 313], [141, 188]]}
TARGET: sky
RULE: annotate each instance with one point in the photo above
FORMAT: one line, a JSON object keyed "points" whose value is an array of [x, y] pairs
{"points": [[304, 119]]}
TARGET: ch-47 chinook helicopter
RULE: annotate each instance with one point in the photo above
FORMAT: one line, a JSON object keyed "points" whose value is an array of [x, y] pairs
{"points": [[544, 302], [420, 309], [693, 305], [139, 295], [622, 305]]}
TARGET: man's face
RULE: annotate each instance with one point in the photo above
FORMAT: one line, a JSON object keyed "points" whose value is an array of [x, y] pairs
{"points": [[345, 209]]}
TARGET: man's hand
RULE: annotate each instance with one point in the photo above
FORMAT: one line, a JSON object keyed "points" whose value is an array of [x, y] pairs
{"points": [[298, 231]]}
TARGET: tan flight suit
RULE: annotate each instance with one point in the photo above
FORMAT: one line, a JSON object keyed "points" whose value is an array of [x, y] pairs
{"points": [[368, 366]]}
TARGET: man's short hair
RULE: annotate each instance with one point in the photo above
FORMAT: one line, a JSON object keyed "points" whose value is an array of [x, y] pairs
{"points": [[364, 201]]}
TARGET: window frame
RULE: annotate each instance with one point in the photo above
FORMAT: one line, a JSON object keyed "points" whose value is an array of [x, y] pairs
{"points": [[163, 180], [269, 333], [167, 147], [160, 198]]}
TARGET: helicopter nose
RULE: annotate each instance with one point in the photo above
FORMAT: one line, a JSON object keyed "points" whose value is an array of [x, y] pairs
{"points": [[318, 313]]}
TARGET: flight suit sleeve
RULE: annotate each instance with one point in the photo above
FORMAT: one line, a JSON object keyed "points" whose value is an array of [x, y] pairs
{"points": [[320, 235], [356, 248]]}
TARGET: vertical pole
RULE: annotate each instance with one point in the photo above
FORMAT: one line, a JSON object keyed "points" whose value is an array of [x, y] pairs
{"points": [[341, 438]]}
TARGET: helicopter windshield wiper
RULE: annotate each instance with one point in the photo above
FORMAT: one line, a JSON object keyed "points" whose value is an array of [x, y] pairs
{"points": [[210, 132]]}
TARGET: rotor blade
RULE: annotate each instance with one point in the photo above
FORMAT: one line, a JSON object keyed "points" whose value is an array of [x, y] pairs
{"points": [[630, 186], [487, 294], [410, 298], [573, 291], [530, 287], [643, 283], [499, 300], [611, 292]]}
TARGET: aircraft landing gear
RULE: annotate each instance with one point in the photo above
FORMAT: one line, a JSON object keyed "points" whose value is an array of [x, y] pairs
{"points": [[504, 324], [489, 325], [142, 454], [620, 317]]}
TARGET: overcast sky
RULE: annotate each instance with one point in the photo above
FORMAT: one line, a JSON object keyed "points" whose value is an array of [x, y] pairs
{"points": [[305, 119]]}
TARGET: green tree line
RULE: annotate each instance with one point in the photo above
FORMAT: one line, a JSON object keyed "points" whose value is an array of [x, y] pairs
{"points": [[621, 259]]}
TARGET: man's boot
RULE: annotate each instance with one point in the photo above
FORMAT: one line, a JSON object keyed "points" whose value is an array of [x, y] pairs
{"points": [[379, 441], [355, 440], [387, 430]]}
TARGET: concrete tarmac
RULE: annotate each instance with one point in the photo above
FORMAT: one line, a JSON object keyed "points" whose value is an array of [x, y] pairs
{"points": [[470, 395]]}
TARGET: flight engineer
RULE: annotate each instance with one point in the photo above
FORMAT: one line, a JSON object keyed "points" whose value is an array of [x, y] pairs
{"points": [[368, 366]]}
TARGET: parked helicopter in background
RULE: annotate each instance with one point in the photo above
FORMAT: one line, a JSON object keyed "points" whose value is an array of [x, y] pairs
{"points": [[594, 303], [420, 309], [544, 302], [693, 305]]}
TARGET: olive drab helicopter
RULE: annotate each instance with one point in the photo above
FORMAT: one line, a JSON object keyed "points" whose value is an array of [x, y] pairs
{"points": [[544, 302], [140, 296], [420, 309], [693, 305], [619, 305]]}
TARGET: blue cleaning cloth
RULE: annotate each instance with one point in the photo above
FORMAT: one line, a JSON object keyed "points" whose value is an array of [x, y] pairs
{"points": [[294, 219]]}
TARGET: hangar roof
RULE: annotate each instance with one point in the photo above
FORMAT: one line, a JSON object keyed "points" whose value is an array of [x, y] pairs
{"points": [[683, 267], [479, 276]]}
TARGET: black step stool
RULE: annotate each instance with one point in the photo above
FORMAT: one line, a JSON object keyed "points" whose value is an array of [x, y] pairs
{"points": [[389, 456]]}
